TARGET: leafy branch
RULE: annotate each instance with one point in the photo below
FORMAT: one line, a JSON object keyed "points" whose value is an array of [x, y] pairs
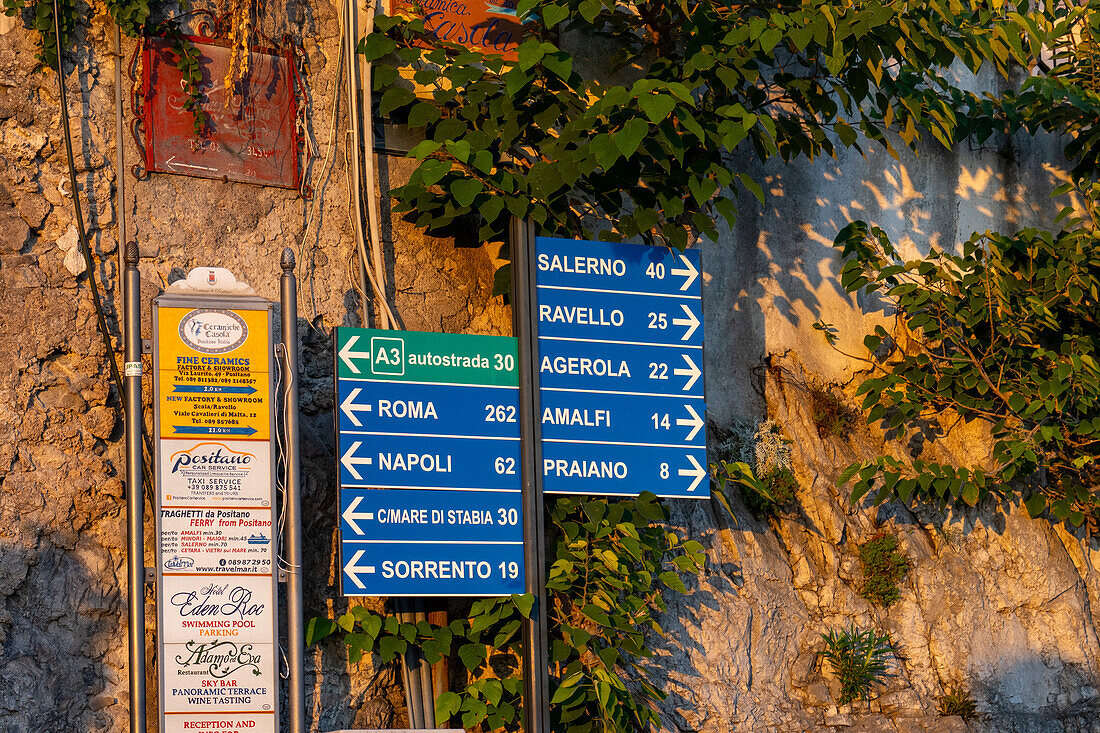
{"points": [[1004, 333], [611, 564]]}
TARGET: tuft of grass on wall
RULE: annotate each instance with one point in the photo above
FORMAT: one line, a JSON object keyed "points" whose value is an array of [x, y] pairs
{"points": [[884, 568]]}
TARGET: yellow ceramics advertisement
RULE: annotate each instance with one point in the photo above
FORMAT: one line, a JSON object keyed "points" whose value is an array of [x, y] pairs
{"points": [[214, 367]]}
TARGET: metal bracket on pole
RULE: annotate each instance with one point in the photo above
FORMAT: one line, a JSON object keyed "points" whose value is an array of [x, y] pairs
{"points": [[295, 620], [135, 494], [536, 677]]}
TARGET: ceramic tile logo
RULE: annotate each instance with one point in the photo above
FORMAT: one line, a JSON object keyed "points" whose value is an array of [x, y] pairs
{"points": [[213, 331]]}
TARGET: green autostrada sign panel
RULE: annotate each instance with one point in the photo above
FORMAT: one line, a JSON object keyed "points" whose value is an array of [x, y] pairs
{"points": [[433, 358]]}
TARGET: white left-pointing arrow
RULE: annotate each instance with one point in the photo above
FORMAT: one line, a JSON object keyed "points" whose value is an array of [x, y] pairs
{"points": [[350, 460], [691, 322], [174, 165], [695, 421], [351, 516], [350, 408], [696, 470], [691, 273], [353, 569], [347, 354]]}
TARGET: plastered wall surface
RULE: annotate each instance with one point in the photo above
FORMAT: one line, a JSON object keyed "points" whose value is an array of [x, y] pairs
{"points": [[996, 600]]}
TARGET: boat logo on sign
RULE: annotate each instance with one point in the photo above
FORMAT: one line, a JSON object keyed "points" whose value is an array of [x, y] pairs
{"points": [[213, 331], [178, 563]]}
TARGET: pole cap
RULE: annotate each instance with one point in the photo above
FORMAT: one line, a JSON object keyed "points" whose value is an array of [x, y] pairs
{"points": [[131, 254], [287, 261]]}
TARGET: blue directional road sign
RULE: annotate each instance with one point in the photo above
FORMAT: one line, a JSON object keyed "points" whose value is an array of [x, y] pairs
{"points": [[620, 369], [414, 542], [428, 441]]}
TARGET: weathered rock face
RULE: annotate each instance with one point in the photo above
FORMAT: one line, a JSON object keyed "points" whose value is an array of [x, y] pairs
{"points": [[994, 600]]}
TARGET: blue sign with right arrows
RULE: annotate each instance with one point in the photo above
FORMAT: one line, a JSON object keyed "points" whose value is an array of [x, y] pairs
{"points": [[620, 369]]}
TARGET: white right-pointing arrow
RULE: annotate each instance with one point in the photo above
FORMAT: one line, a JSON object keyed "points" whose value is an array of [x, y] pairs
{"points": [[697, 471], [347, 354], [350, 515], [692, 371], [352, 570], [695, 421], [350, 408], [691, 273], [691, 322], [350, 460]]}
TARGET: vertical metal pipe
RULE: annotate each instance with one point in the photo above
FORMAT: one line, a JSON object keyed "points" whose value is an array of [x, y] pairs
{"points": [[120, 156], [536, 677], [424, 670], [135, 494], [355, 159], [441, 673], [293, 534], [410, 670]]}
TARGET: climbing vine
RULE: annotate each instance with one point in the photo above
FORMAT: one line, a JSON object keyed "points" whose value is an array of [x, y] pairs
{"points": [[649, 142], [612, 563], [1005, 334], [134, 18]]}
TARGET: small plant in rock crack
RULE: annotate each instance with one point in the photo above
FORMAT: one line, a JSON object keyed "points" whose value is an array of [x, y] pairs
{"points": [[779, 485], [884, 567], [957, 700], [861, 661], [830, 414]]}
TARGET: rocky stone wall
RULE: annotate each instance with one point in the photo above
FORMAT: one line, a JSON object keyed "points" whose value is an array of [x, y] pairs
{"points": [[995, 600]]}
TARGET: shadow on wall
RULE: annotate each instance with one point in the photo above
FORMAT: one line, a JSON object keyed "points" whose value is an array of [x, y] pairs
{"points": [[776, 272], [61, 666]]}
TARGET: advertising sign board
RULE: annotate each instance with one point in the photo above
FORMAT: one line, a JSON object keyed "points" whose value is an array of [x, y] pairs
{"points": [[216, 533]]}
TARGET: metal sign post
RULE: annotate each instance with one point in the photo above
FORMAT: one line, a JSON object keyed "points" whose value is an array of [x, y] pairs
{"points": [[135, 493], [536, 673], [295, 613], [215, 504]]}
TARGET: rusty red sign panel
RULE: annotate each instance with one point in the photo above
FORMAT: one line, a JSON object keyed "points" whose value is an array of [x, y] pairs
{"points": [[252, 139]]}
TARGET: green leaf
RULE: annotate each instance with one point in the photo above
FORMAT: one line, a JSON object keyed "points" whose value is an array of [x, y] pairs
{"points": [[432, 170], [390, 646], [553, 14], [530, 53], [472, 655], [1035, 504], [672, 580], [656, 106], [393, 98], [447, 704], [318, 628], [524, 602], [376, 45], [465, 190], [630, 137], [423, 113]]}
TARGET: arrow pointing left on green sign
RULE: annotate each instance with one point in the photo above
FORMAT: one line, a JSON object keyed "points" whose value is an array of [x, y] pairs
{"points": [[348, 355]]}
